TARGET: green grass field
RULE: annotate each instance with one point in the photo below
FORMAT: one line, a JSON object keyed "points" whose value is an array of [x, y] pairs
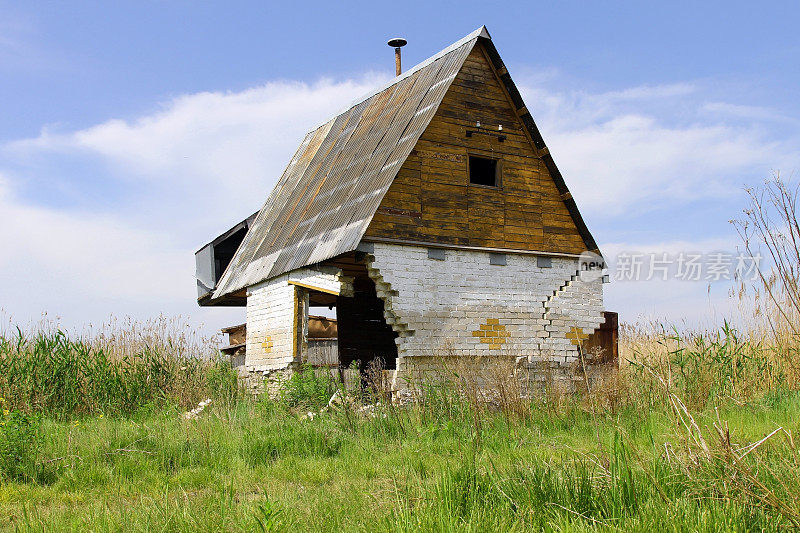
{"points": [[251, 466], [89, 461]]}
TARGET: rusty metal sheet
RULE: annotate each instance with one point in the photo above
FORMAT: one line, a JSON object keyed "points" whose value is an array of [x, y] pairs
{"points": [[329, 192]]}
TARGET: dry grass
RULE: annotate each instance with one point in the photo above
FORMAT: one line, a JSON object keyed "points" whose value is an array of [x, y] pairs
{"points": [[126, 337]]}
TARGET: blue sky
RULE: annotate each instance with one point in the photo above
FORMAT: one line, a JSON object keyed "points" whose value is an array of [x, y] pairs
{"points": [[132, 133]]}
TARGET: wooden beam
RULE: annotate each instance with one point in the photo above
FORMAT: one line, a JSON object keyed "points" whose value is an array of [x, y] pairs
{"points": [[296, 328], [312, 287], [429, 244]]}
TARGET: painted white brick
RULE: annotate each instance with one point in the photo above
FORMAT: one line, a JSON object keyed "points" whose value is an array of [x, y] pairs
{"points": [[270, 314], [270, 325], [324, 278], [435, 306], [443, 302]]}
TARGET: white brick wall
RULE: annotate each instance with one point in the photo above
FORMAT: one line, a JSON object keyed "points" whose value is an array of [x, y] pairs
{"points": [[466, 306], [270, 325], [270, 315], [325, 279], [462, 306]]}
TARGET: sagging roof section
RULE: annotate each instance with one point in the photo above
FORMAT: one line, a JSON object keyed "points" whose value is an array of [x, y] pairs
{"points": [[335, 182]]}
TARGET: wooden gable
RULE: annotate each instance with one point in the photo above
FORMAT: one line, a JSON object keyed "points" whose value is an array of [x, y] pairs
{"points": [[431, 200]]}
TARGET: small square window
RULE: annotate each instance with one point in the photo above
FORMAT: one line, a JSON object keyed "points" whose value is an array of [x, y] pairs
{"points": [[483, 171], [436, 253], [497, 259]]}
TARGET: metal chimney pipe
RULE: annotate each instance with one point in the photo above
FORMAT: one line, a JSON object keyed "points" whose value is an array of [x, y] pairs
{"points": [[397, 43], [398, 68]]}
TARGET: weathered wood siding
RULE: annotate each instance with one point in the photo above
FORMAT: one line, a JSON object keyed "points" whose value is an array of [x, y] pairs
{"points": [[431, 199], [323, 352]]}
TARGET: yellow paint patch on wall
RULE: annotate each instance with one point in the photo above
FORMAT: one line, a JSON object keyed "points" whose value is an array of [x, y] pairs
{"points": [[492, 333], [267, 344], [576, 336]]}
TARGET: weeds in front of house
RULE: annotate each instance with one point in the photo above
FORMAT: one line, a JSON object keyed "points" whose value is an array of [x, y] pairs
{"points": [[308, 388], [697, 430], [20, 446]]}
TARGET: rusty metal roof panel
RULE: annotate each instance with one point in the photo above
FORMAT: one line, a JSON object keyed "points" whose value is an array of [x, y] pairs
{"points": [[329, 192]]}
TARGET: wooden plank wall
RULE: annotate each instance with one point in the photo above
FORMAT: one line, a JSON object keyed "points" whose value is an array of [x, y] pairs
{"points": [[431, 199], [323, 352]]}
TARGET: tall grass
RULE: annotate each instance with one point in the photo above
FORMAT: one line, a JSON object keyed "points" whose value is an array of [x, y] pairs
{"points": [[49, 373], [691, 444], [702, 367]]}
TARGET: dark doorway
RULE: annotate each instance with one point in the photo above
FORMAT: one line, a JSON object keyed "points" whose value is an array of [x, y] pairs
{"points": [[364, 335]]}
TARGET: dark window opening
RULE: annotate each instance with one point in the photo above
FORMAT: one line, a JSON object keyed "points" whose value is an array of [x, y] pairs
{"points": [[483, 171], [224, 251], [436, 253]]}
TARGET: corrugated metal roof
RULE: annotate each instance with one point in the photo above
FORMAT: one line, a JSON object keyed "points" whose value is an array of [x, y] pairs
{"points": [[336, 180]]}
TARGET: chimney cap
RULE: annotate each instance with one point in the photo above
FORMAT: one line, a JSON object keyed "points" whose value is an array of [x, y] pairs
{"points": [[397, 42]]}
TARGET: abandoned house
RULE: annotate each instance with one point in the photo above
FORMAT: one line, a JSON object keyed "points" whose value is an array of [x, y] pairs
{"points": [[430, 215]]}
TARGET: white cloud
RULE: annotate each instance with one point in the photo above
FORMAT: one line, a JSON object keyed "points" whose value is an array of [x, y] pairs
{"points": [[202, 161], [5, 190], [746, 112], [190, 167], [641, 164], [649, 147], [224, 145], [85, 266], [646, 92]]}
